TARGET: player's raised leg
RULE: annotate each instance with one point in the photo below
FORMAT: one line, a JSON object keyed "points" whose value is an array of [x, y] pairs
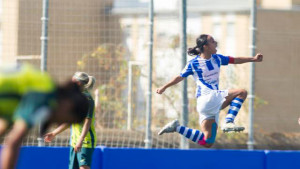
{"points": [[235, 99], [205, 138], [209, 128]]}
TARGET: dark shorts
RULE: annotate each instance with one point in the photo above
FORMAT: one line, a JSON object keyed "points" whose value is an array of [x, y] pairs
{"points": [[84, 157]]}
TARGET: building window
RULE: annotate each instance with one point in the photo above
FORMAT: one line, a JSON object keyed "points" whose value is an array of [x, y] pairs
{"points": [[217, 30], [230, 39]]}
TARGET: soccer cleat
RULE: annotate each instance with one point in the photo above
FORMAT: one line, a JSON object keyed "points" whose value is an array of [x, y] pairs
{"points": [[170, 127], [231, 127]]}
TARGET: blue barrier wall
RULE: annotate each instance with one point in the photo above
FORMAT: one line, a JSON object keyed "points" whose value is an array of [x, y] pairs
{"points": [[43, 157], [117, 158], [282, 159], [51, 158], [182, 159]]}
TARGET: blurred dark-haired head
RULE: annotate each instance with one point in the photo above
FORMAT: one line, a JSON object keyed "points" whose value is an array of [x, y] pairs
{"points": [[72, 105]]}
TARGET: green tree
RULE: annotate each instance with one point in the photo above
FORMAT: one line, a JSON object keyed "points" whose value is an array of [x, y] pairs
{"points": [[109, 66]]}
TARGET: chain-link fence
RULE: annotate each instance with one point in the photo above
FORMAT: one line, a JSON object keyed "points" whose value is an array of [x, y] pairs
{"points": [[101, 37]]}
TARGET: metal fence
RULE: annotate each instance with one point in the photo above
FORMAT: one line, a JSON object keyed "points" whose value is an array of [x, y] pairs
{"points": [[109, 39]]}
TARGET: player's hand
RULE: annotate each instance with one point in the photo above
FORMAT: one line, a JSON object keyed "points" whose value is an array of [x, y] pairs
{"points": [[258, 57], [299, 121], [78, 146], [160, 90], [49, 137]]}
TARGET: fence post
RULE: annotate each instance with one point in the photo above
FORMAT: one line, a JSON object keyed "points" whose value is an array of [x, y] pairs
{"points": [[148, 140], [44, 50], [184, 116]]}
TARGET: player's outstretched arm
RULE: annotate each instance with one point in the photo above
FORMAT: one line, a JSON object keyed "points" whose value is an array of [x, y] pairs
{"points": [[257, 58], [174, 81], [50, 136], [11, 148]]}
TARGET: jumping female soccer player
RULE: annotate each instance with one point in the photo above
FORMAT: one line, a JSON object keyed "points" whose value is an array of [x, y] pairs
{"points": [[83, 138], [205, 68], [29, 97]]}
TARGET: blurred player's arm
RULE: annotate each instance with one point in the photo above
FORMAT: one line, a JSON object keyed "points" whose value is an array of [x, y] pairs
{"points": [[12, 145], [239, 60], [85, 129], [50, 136], [3, 126], [174, 81]]}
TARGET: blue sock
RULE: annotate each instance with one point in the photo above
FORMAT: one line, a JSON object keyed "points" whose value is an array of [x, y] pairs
{"points": [[235, 106], [192, 134]]}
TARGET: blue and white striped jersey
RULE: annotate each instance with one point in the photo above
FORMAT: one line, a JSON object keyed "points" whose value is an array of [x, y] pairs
{"points": [[205, 72]]}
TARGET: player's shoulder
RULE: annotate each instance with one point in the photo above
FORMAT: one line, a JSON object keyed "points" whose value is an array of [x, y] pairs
{"points": [[193, 59], [88, 96], [217, 55]]}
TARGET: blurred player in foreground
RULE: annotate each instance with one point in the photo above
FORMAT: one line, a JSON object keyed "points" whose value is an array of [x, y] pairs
{"points": [[205, 68], [83, 137], [29, 97]]}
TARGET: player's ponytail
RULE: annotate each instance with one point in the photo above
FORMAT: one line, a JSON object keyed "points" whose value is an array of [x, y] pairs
{"points": [[86, 80], [200, 42], [194, 51], [90, 83]]}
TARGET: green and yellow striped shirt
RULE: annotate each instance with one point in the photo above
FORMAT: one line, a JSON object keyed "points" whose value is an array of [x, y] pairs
{"points": [[23, 92], [90, 139]]}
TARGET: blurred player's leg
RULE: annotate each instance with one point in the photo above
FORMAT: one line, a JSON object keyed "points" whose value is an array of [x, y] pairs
{"points": [[3, 126], [10, 150]]}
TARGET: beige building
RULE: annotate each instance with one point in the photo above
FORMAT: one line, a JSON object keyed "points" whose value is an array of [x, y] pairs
{"points": [[76, 28], [228, 21], [280, 4], [277, 79]]}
